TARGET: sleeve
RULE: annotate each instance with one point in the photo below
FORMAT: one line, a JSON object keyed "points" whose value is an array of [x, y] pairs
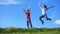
{"points": [[50, 7], [39, 5]]}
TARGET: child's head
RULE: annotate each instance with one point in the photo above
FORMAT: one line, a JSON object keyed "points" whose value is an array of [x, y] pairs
{"points": [[28, 10], [44, 6]]}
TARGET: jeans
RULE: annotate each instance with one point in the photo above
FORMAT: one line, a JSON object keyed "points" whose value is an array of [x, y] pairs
{"points": [[29, 23], [45, 17]]}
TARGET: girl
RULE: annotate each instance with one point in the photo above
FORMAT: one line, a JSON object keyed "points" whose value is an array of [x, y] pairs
{"points": [[44, 8]]}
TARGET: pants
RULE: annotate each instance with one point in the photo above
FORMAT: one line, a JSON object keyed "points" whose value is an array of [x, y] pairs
{"points": [[29, 23], [45, 17]]}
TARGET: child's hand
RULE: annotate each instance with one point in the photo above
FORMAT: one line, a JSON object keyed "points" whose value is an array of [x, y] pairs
{"points": [[28, 7], [53, 6]]}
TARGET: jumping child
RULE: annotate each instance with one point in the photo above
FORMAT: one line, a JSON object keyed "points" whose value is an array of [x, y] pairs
{"points": [[44, 8]]}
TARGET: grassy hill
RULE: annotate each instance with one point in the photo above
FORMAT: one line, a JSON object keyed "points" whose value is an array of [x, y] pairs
{"points": [[29, 30]]}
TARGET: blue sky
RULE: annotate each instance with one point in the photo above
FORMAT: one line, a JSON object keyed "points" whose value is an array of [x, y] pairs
{"points": [[12, 15]]}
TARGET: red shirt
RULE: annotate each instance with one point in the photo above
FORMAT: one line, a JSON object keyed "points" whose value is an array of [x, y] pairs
{"points": [[28, 15]]}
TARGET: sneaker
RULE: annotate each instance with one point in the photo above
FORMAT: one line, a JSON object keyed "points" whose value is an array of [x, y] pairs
{"points": [[50, 19]]}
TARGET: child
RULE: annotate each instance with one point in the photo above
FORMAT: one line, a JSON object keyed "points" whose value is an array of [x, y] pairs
{"points": [[44, 9], [28, 17]]}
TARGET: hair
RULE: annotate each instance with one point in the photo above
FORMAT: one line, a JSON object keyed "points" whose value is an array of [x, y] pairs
{"points": [[45, 6], [28, 10]]}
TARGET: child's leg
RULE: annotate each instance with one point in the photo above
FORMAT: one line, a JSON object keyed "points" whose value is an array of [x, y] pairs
{"points": [[47, 18], [30, 23], [41, 19]]}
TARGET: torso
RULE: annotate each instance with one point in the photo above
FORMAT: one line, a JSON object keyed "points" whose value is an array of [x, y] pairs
{"points": [[28, 15], [43, 11]]}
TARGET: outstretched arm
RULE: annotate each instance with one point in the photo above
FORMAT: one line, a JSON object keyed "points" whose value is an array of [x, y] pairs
{"points": [[50, 7], [24, 9], [39, 5], [28, 7]]}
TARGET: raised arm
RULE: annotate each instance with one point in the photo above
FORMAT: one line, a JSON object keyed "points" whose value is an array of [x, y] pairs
{"points": [[28, 8], [39, 5], [24, 9], [50, 7]]}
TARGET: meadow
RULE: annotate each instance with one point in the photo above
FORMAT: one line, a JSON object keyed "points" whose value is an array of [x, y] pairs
{"points": [[29, 30]]}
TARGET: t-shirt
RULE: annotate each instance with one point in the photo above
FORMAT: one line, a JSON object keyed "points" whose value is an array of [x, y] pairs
{"points": [[28, 15], [43, 11]]}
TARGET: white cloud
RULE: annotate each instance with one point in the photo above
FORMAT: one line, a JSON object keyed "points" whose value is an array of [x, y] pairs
{"points": [[6, 2], [57, 21]]}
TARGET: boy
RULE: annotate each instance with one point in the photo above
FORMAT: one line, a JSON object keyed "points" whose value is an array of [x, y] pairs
{"points": [[44, 9], [28, 17]]}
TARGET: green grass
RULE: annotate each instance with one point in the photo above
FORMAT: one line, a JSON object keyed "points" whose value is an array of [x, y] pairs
{"points": [[54, 32], [30, 31]]}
